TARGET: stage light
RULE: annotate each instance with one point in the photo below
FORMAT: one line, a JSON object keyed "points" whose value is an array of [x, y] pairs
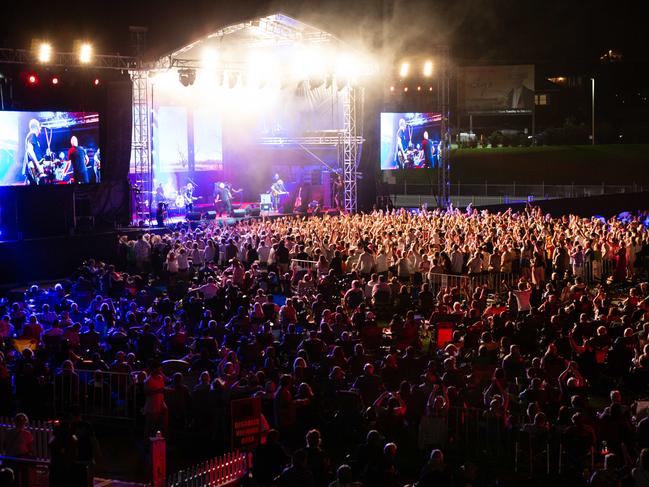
{"points": [[96, 82], [392, 88], [428, 68], [405, 89], [347, 67], [405, 68], [430, 88], [44, 52], [315, 83], [210, 59], [85, 53], [187, 76], [55, 81], [232, 80], [418, 88], [32, 79]]}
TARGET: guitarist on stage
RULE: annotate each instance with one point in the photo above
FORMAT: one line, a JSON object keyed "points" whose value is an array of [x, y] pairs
{"points": [[189, 198], [32, 163], [277, 189]]}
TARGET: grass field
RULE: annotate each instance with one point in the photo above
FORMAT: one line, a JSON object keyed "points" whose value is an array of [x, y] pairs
{"points": [[578, 164]]}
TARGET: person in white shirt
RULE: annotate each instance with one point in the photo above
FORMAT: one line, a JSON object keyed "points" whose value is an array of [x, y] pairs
{"points": [[369, 287], [365, 263], [382, 261], [142, 251], [264, 252], [183, 260], [208, 290], [210, 252], [522, 295], [197, 256]]}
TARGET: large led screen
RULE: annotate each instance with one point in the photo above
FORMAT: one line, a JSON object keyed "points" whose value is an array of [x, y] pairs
{"points": [[48, 148], [410, 140]]}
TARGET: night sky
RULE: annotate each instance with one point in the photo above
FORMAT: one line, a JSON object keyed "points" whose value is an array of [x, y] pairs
{"points": [[486, 30]]}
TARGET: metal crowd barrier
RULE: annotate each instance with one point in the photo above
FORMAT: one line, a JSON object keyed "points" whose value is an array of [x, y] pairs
{"points": [[41, 431], [302, 265], [217, 472], [497, 282], [96, 394]]}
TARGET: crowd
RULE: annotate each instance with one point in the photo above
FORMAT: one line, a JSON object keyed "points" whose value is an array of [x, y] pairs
{"points": [[369, 367]]}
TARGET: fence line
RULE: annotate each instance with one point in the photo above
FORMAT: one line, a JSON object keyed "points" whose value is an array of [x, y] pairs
{"points": [[497, 282], [96, 393], [41, 431], [479, 434], [217, 472], [302, 265]]}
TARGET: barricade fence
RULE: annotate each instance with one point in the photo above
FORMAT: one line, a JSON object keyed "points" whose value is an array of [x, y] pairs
{"points": [[96, 394], [593, 272], [479, 434], [41, 431], [217, 472], [496, 282], [298, 265]]}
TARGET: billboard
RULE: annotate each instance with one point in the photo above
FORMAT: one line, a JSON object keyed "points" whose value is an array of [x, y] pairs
{"points": [[496, 89]]}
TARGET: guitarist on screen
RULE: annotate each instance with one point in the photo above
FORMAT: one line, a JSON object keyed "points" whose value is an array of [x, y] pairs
{"points": [[32, 162], [400, 145]]}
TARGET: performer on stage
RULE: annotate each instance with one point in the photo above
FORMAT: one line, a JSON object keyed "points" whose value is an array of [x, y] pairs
{"points": [[277, 189], [223, 200], [160, 194], [234, 192], [32, 162], [161, 213], [78, 158], [188, 195], [339, 192], [400, 145]]}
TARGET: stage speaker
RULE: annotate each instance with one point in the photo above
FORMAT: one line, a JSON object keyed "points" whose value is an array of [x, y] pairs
{"points": [[253, 211], [194, 216], [239, 213], [236, 206], [210, 215]]}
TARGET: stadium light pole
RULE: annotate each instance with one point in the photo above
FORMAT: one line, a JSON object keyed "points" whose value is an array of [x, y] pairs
{"points": [[592, 111]]}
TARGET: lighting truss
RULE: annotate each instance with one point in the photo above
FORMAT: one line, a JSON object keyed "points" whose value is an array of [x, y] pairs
{"points": [[350, 147], [68, 60]]}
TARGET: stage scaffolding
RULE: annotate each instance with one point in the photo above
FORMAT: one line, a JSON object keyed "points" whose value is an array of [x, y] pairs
{"points": [[142, 166], [273, 30]]}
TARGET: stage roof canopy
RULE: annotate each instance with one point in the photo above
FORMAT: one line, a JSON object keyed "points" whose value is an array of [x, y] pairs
{"points": [[277, 40]]}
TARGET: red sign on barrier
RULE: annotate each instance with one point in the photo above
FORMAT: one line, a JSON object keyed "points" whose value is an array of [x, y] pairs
{"points": [[246, 423]]}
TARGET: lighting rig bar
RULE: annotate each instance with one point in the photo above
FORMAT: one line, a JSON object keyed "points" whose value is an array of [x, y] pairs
{"points": [[307, 140], [70, 60]]}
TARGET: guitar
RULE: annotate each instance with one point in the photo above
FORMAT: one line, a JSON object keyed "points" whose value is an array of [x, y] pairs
{"points": [[36, 168], [188, 199], [298, 200]]}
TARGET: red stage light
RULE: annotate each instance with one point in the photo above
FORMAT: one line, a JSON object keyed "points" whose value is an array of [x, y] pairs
{"points": [[96, 82], [55, 81], [32, 79]]}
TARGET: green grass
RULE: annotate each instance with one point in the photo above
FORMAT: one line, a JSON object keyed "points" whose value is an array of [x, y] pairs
{"points": [[578, 164]]}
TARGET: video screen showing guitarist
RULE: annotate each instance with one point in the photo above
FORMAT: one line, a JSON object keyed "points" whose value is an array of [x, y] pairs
{"points": [[33, 161]]}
